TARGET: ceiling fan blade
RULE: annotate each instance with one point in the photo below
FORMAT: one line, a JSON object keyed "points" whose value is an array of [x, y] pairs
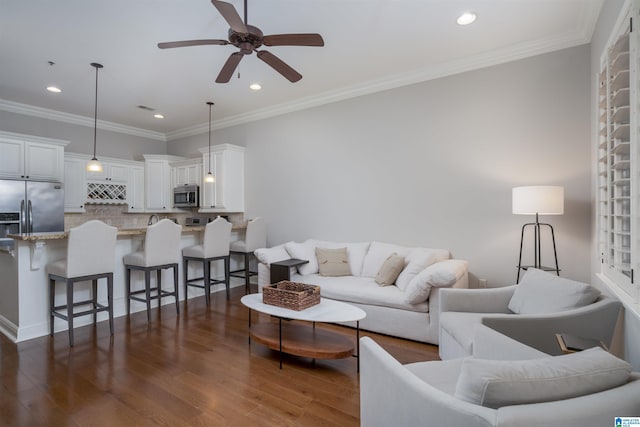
{"points": [[229, 67], [230, 15], [278, 65], [184, 43], [293, 40]]}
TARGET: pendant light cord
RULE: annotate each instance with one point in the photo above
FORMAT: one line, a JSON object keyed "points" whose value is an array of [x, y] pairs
{"points": [[210, 105], [95, 111]]}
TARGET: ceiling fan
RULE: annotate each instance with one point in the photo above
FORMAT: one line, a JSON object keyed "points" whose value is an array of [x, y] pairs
{"points": [[248, 39]]}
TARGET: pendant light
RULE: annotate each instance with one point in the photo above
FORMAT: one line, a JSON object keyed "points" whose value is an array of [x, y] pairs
{"points": [[94, 165], [209, 178]]}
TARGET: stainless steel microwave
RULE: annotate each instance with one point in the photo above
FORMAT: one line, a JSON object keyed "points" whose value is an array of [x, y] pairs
{"points": [[186, 196]]}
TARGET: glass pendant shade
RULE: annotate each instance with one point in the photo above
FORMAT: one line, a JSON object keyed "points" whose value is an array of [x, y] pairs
{"points": [[94, 165], [209, 178]]}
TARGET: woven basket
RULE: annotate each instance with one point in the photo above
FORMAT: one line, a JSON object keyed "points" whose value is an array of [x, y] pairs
{"points": [[291, 295]]}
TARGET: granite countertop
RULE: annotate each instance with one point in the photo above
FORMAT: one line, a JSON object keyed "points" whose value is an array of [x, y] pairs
{"points": [[56, 235]]}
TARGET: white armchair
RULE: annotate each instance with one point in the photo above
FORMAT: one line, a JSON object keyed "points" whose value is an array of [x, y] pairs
{"points": [[533, 312], [427, 393]]}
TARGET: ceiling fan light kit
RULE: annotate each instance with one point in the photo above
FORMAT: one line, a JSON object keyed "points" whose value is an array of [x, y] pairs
{"points": [[248, 39]]}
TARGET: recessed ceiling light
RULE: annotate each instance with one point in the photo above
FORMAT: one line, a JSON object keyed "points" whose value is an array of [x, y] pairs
{"points": [[255, 86], [54, 89], [466, 18], [158, 116]]}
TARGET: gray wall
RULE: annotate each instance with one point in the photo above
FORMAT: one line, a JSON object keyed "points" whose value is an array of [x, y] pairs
{"points": [[109, 144], [430, 164]]}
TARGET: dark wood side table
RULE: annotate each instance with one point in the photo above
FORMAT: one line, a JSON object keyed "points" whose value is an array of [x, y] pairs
{"points": [[280, 269], [571, 343]]}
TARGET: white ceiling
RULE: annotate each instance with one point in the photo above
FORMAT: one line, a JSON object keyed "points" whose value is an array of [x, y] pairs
{"points": [[370, 45]]}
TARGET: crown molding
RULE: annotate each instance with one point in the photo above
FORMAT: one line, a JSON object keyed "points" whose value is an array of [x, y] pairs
{"points": [[496, 57], [45, 113]]}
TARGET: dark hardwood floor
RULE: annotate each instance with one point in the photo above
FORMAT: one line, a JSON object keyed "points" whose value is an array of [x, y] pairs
{"points": [[192, 369]]}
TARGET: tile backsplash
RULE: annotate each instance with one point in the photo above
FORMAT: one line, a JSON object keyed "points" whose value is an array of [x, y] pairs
{"points": [[117, 216]]}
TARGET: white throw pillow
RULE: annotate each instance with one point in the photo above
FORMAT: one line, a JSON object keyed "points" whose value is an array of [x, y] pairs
{"points": [[306, 251], [542, 292], [417, 260], [441, 274], [274, 254], [377, 255], [498, 383]]}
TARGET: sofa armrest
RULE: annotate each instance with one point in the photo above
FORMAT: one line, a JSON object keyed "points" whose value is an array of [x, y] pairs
{"points": [[597, 321], [493, 300], [390, 395]]}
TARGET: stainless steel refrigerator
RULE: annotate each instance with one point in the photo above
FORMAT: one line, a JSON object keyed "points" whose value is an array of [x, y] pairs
{"points": [[30, 207]]}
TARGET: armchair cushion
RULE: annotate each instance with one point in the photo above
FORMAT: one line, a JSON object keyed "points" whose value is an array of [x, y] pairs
{"points": [[543, 292], [496, 384]]}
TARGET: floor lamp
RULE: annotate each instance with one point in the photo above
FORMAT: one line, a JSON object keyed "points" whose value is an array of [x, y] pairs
{"points": [[538, 200]]}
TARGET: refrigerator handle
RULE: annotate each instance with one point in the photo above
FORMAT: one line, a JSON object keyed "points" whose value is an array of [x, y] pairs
{"points": [[30, 208], [23, 218]]}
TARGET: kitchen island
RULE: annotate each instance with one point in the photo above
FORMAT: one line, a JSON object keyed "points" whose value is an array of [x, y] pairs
{"points": [[24, 284]]}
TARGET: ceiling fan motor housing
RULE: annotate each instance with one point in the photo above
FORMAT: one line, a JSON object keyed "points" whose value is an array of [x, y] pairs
{"points": [[246, 42]]}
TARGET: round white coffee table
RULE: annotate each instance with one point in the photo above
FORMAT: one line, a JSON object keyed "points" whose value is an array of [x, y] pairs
{"points": [[301, 339]]}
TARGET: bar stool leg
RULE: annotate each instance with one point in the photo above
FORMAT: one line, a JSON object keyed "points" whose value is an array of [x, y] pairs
{"points": [[128, 289], [207, 280], [70, 310], [227, 268], [247, 275], [175, 286], [110, 300], [159, 284], [52, 299], [147, 290], [94, 292], [185, 274]]}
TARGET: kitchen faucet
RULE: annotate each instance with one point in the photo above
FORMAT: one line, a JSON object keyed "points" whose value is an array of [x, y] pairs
{"points": [[151, 219]]}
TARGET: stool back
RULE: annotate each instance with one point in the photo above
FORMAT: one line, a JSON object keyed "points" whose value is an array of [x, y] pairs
{"points": [[217, 238], [256, 234], [162, 243], [91, 249]]}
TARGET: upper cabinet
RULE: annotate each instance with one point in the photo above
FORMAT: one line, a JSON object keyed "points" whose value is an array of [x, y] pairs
{"points": [[157, 187], [187, 172], [75, 183], [226, 194], [135, 189], [32, 158], [115, 172]]}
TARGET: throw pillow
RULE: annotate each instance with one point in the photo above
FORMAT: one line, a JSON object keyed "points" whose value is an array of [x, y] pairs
{"points": [[438, 275], [390, 269], [333, 262], [419, 259], [498, 383], [356, 251], [306, 251], [376, 256], [543, 292], [274, 254]]}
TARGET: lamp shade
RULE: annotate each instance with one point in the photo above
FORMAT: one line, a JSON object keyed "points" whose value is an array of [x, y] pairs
{"points": [[538, 199]]}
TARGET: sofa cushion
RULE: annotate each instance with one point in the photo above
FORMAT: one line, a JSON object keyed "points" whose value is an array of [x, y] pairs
{"points": [[356, 251], [307, 251], [377, 255], [417, 260], [362, 290], [543, 292], [497, 383], [390, 269], [441, 274], [274, 254], [333, 262]]}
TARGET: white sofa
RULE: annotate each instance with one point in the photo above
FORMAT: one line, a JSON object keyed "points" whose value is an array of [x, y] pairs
{"points": [[532, 313], [406, 309], [516, 386]]}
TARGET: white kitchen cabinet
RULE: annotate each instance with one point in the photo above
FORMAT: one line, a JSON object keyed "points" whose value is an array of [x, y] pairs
{"points": [[188, 172], [135, 189], [157, 187], [75, 184], [30, 157], [227, 165]]}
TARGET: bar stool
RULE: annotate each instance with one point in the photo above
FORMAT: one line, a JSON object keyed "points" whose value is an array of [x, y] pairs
{"points": [[255, 238], [215, 246], [91, 251], [161, 251]]}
